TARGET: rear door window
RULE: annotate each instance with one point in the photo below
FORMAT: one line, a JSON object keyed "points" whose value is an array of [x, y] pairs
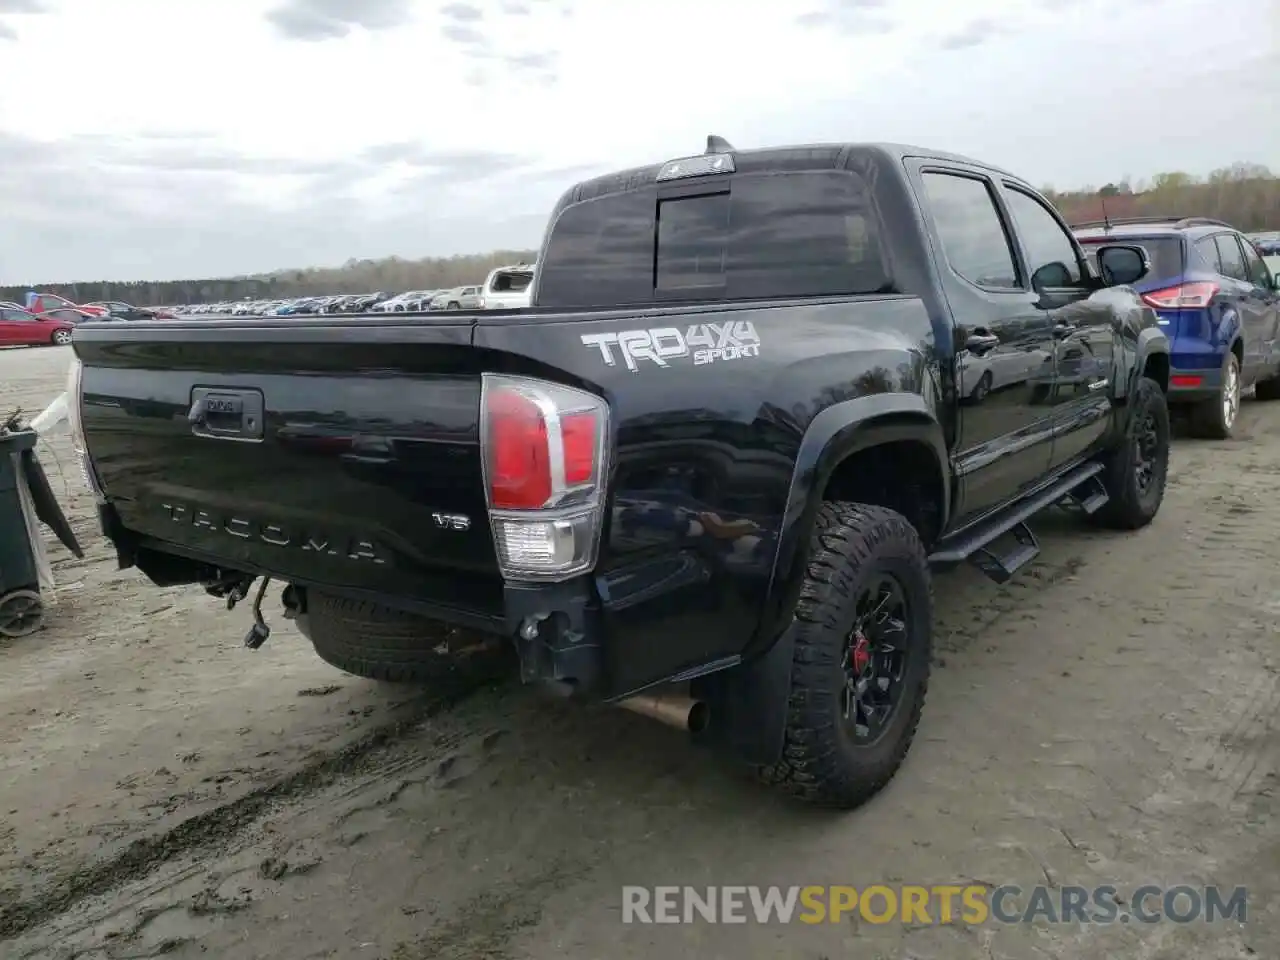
{"points": [[761, 235], [974, 240], [1232, 258], [1207, 250]]}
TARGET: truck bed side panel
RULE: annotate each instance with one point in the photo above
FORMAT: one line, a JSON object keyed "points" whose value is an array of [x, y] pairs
{"points": [[699, 490]]}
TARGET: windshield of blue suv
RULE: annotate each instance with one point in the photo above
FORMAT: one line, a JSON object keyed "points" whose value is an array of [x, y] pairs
{"points": [[1164, 253]]}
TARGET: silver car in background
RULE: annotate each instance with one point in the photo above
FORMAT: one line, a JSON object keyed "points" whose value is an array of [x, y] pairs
{"points": [[459, 298], [408, 302]]}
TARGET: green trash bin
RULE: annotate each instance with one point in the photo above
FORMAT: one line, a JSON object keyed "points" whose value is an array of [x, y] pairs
{"points": [[20, 608]]}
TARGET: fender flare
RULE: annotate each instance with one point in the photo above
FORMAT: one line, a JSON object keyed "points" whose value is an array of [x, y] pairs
{"points": [[749, 701], [837, 433], [1152, 341]]}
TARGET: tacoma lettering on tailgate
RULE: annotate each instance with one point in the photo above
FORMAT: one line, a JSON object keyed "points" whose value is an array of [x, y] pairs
{"points": [[277, 535]]}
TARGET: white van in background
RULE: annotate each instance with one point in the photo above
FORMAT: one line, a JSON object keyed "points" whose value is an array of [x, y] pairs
{"points": [[508, 288]]}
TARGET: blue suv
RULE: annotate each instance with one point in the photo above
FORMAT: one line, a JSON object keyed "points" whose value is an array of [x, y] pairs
{"points": [[1219, 305]]}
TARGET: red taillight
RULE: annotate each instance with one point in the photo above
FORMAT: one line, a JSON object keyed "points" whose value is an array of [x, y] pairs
{"points": [[540, 444], [544, 448], [520, 476], [1185, 296], [1185, 381], [578, 437]]}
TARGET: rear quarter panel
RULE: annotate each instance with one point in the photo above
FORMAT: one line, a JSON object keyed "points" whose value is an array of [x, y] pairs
{"points": [[706, 446]]}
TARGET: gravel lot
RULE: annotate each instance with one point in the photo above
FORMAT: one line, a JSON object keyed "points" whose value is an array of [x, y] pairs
{"points": [[1108, 718]]}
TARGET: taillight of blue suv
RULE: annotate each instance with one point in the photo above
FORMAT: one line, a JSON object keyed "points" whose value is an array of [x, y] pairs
{"points": [[1195, 295]]}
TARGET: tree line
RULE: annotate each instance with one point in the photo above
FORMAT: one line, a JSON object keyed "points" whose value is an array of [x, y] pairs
{"points": [[1246, 195], [392, 274]]}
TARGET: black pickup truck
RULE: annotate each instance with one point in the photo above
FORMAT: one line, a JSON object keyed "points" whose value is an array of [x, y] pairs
{"points": [[759, 395]]}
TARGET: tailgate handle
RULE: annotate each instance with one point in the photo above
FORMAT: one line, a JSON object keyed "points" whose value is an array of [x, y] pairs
{"points": [[226, 414]]}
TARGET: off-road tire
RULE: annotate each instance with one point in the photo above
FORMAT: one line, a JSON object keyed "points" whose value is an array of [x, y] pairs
{"points": [[820, 763], [1268, 389], [381, 643], [1207, 418], [1131, 508]]}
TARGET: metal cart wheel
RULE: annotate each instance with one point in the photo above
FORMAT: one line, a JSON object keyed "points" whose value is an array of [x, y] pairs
{"points": [[20, 613]]}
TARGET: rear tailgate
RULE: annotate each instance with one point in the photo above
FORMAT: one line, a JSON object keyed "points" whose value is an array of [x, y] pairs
{"points": [[322, 452]]}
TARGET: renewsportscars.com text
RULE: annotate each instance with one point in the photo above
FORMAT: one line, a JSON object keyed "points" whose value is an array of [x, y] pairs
{"points": [[941, 904]]}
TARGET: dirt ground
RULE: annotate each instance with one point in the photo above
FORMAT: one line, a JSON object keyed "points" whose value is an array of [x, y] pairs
{"points": [[1109, 717]]}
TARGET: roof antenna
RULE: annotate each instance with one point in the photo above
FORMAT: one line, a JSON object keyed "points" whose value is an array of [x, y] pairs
{"points": [[1106, 221], [718, 144]]}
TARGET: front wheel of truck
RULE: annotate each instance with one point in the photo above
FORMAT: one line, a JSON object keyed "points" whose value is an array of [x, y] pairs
{"points": [[1137, 469], [381, 643], [863, 640]]}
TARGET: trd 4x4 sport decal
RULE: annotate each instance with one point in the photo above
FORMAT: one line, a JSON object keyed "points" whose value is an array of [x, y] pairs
{"points": [[704, 342]]}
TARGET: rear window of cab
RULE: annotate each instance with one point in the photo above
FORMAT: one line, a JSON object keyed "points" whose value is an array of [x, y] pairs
{"points": [[749, 236]]}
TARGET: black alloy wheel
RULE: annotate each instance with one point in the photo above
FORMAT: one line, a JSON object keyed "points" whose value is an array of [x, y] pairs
{"points": [[875, 663], [1146, 449]]}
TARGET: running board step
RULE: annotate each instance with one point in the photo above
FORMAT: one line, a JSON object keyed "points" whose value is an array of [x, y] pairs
{"points": [[1001, 567], [960, 546], [1090, 497]]}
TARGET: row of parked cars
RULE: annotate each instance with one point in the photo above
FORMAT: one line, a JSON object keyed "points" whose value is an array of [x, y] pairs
{"points": [[505, 288], [47, 318]]}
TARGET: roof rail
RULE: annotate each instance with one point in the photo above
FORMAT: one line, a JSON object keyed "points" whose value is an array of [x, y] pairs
{"points": [[1120, 221], [1201, 222], [1176, 222]]}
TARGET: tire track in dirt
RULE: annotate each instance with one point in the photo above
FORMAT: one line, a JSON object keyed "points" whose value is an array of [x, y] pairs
{"points": [[487, 923], [211, 828], [317, 833]]}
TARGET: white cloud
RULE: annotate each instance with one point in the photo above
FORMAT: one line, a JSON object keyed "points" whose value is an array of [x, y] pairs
{"points": [[167, 139]]}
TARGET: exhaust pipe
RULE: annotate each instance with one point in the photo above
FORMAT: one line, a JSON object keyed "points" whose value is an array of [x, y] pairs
{"points": [[673, 709]]}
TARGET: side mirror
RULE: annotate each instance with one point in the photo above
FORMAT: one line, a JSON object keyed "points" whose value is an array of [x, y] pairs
{"points": [[1121, 265]]}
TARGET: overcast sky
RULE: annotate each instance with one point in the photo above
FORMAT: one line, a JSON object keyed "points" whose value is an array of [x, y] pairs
{"points": [[166, 139]]}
